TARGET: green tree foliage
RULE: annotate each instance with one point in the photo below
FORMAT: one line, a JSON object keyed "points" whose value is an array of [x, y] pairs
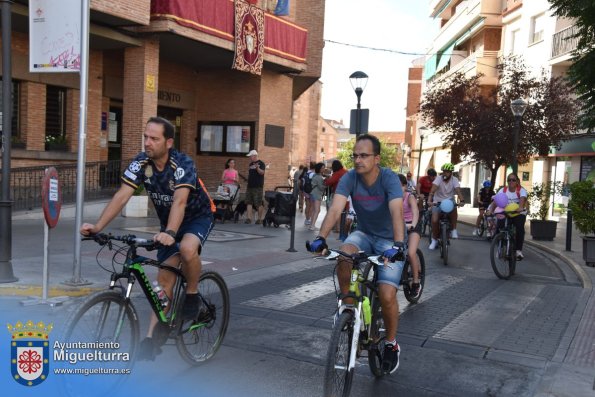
{"points": [[477, 121], [388, 155], [581, 73]]}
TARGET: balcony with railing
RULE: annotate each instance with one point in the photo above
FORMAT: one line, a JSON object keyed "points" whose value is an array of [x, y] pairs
{"points": [[564, 42]]}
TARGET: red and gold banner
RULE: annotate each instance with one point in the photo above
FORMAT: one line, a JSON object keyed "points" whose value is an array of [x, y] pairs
{"points": [[283, 38], [249, 38]]}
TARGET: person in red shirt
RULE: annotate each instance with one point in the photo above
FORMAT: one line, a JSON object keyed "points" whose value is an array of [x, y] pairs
{"points": [[333, 180], [424, 185]]}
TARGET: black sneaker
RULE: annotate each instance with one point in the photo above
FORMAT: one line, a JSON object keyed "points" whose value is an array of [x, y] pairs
{"points": [[415, 290], [191, 307], [147, 350], [390, 360]]}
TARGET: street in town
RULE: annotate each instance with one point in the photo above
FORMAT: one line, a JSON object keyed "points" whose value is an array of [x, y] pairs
{"points": [[471, 334]]}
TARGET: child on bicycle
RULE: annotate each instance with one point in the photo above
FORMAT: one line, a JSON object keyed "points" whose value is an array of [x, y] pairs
{"points": [[413, 227], [484, 198]]}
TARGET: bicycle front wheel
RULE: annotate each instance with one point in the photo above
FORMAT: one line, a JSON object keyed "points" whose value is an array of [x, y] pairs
{"points": [[199, 340], [337, 376], [377, 338], [502, 256], [444, 244], [409, 278], [482, 227], [105, 323]]}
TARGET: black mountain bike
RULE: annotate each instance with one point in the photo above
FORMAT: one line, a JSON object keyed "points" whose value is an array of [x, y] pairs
{"points": [[109, 317], [503, 250]]}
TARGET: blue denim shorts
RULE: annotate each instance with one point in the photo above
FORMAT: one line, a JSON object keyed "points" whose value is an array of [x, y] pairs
{"points": [[387, 274], [200, 227]]}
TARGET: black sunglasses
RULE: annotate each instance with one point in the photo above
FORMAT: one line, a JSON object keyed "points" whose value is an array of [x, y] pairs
{"points": [[512, 180]]}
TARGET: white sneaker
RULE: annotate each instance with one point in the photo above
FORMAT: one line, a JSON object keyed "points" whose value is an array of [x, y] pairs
{"points": [[519, 255], [433, 244], [454, 234], [475, 232]]}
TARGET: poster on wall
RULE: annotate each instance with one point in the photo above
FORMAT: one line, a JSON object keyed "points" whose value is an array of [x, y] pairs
{"points": [[55, 36]]}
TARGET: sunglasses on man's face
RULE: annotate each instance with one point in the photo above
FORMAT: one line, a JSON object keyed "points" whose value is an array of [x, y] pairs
{"points": [[512, 180]]}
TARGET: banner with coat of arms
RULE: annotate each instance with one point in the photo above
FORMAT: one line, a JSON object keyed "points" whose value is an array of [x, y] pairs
{"points": [[249, 38]]}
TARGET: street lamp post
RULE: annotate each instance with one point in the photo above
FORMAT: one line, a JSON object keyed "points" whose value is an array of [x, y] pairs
{"points": [[518, 107], [422, 135], [358, 83]]}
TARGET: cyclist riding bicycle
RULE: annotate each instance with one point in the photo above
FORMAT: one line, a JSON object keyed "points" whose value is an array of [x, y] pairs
{"points": [[413, 227], [515, 194], [377, 198], [424, 186], [184, 209], [484, 198], [444, 188]]}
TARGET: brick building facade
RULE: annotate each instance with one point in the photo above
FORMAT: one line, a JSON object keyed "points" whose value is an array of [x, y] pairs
{"points": [[143, 64]]}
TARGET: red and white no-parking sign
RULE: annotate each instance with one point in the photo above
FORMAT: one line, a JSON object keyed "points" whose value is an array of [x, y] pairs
{"points": [[51, 197]]}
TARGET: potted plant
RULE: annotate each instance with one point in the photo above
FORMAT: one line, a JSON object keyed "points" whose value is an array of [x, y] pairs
{"points": [[138, 205], [56, 142], [539, 200], [582, 205]]}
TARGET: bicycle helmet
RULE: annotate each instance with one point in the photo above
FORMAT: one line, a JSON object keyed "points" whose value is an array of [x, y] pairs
{"points": [[448, 167], [432, 172], [487, 183]]}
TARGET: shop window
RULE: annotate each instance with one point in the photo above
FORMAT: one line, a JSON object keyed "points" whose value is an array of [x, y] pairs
{"points": [[224, 138], [15, 111], [55, 114]]}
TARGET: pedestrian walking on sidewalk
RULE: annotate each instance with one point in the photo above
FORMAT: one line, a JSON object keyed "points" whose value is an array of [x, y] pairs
{"points": [[254, 191]]}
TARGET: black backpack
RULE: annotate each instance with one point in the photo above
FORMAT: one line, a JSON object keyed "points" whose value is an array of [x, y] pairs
{"points": [[307, 184]]}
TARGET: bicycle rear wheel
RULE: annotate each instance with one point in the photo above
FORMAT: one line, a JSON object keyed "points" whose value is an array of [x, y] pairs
{"points": [[408, 277], [444, 244], [337, 376], [502, 256], [377, 337], [200, 339], [482, 227], [107, 318]]}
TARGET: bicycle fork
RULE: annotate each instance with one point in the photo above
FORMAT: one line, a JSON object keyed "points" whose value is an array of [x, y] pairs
{"points": [[357, 325]]}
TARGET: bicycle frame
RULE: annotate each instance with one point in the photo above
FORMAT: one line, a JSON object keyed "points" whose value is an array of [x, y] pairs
{"points": [[355, 292]]}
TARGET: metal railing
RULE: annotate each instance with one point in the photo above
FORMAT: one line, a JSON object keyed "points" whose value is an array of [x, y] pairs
{"points": [[102, 179], [563, 42]]}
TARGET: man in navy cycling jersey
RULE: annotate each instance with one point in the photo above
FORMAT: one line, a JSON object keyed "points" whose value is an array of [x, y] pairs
{"points": [[377, 198], [184, 209]]}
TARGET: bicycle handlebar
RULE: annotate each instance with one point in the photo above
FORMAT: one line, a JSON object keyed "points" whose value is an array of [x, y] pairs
{"points": [[334, 254], [129, 239]]}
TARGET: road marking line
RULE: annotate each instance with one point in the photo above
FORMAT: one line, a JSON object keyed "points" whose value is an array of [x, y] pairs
{"points": [[289, 298]]}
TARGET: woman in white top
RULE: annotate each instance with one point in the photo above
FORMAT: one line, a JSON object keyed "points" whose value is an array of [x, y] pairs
{"points": [[516, 194]]}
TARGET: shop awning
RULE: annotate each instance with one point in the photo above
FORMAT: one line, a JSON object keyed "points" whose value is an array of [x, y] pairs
{"points": [[581, 145]]}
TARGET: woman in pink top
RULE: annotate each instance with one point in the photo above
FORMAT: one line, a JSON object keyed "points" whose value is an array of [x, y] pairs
{"points": [[229, 177], [413, 226]]}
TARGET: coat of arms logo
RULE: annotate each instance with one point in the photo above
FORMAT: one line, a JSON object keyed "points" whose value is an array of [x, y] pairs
{"points": [[29, 353]]}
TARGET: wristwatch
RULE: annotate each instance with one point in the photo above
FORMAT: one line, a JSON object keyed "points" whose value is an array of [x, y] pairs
{"points": [[171, 233]]}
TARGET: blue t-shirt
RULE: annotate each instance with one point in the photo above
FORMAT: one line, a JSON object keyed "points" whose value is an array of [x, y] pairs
{"points": [[179, 172], [371, 203]]}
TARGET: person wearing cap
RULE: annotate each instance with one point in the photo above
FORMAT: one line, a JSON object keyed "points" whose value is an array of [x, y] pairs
{"points": [[444, 188], [410, 183], [255, 187]]}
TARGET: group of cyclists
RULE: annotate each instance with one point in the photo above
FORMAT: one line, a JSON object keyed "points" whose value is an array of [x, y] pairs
{"points": [[385, 207]]}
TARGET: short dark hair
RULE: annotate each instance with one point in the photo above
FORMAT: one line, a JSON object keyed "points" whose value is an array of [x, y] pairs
{"points": [[318, 167], [168, 128], [402, 178], [375, 142], [336, 165]]}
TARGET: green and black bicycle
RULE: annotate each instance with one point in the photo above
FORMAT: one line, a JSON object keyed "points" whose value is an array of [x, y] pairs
{"points": [[108, 320]]}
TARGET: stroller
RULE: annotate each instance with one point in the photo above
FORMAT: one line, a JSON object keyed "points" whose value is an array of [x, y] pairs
{"points": [[225, 199], [281, 207]]}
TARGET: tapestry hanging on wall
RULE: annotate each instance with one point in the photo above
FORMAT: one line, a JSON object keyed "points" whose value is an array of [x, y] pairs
{"points": [[249, 38]]}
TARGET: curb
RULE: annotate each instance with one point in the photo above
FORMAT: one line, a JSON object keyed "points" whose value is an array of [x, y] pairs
{"points": [[55, 291], [576, 268]]}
